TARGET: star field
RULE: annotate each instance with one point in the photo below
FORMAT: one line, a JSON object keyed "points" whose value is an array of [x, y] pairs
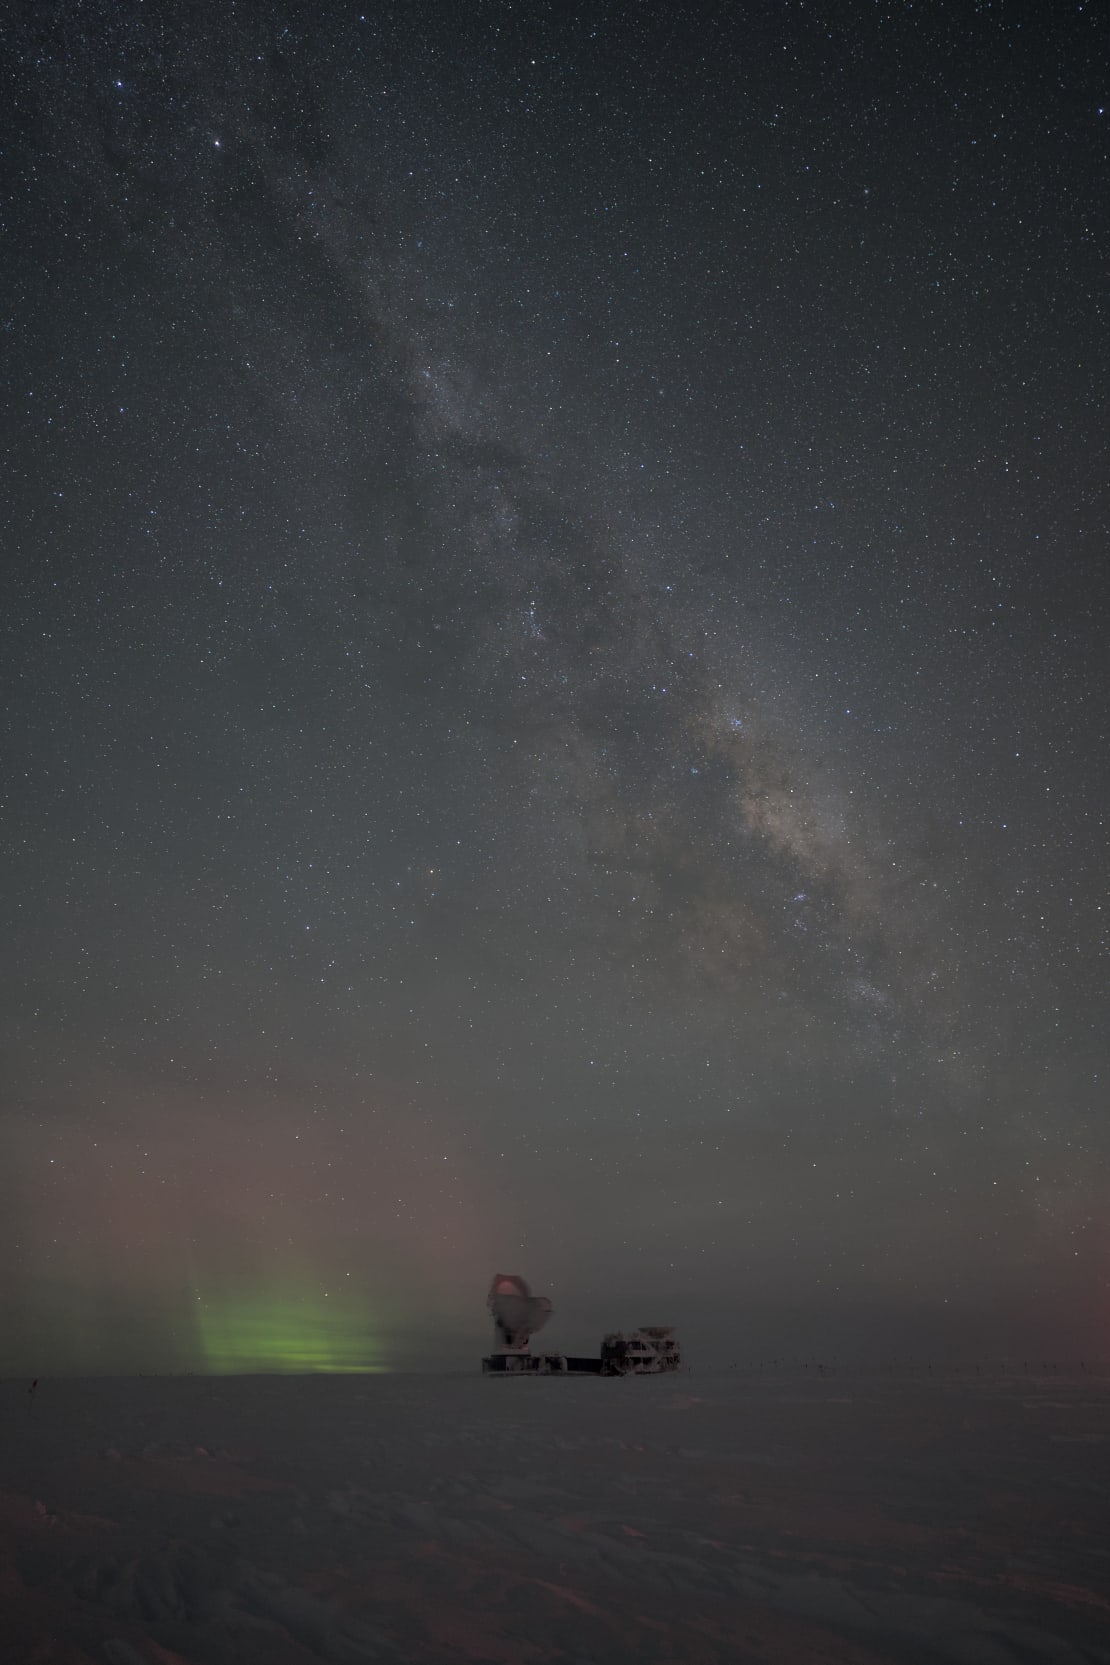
{"points": [[554, 651]]}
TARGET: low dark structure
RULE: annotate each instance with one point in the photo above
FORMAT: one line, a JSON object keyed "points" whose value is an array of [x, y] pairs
{"points": [[539, 1364]]}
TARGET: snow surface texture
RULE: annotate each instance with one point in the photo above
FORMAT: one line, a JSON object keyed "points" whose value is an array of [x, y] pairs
{"points": [[841, 1519]]}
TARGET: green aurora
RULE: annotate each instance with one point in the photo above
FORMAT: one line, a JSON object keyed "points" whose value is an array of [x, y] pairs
{"points": [[253, 1332]]}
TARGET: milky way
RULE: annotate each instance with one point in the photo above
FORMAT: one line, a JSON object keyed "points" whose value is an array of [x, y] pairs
{"points": [[555, 672]]}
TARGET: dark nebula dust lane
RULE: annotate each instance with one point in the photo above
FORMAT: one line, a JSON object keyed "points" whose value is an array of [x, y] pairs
{"points": [[554, 668]]}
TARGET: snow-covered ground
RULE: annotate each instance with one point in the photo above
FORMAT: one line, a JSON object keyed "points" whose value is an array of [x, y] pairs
{"points": [[847, 1519]]}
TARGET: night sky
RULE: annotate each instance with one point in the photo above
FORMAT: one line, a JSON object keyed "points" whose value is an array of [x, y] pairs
{"points": [[554, 641]]}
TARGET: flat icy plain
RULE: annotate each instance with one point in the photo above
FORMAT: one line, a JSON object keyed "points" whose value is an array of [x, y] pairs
{"points": [[847, 1519]]}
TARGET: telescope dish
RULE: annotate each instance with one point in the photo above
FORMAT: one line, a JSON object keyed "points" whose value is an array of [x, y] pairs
{"points": [[517, 1313]]}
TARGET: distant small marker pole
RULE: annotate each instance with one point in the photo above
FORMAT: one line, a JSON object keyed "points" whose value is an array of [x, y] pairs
{"points": [[31, 1391]]}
